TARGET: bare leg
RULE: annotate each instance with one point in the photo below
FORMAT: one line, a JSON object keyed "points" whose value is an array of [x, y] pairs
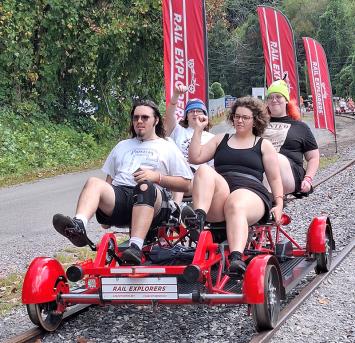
{"points": [[178, 196], [96, 193], [288, 180], [142, 217], [242, 208], [210, 191]]}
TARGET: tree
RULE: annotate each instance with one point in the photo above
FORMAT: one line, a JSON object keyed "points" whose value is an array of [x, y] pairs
{"points": [[217, 90]]}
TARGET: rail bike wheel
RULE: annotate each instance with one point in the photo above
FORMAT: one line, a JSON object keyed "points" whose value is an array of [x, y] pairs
{"points": [[266, 315], [45, 315], [324, 259]]}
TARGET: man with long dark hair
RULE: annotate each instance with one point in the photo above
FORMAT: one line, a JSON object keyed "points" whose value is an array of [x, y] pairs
{"points": [[138, 171]]}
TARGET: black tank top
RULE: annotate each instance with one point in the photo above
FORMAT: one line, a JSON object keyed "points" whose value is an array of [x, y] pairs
{"points": [[246, 161]]}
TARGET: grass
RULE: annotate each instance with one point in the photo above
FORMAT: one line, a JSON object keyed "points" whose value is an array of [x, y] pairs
{"points": [[326, 161], [11, 285], [15, 179], [10, 292]]}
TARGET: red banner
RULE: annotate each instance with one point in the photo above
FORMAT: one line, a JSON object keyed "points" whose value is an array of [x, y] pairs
{"points": [[320, 85], [185, 52], [279, 49]]}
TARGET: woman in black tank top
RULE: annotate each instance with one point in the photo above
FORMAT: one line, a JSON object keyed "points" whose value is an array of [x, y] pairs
{"points": [[233, 191]]}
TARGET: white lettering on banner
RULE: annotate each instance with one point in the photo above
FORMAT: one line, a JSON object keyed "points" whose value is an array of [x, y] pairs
{"points": [[318, 88], [275, 57], [179, 62]]}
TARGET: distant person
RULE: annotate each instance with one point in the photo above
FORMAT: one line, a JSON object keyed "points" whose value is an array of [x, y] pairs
{"points": [[292, 138], [234, 191], [181, 132], [138, 171]]}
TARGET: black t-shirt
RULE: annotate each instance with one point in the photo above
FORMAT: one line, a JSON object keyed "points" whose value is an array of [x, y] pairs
{"points": [[291, 138]]}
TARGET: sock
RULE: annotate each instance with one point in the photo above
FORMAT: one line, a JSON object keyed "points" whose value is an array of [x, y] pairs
{"points": [[235, 254], [137, 241], [82, 218]]}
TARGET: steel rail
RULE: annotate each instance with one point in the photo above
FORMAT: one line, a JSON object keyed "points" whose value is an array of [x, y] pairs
{"points": [[303, 296], [29, 335], [32, 334]]}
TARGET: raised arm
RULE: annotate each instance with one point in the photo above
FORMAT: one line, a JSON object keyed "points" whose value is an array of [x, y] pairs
{"points": [[273, 175], [312, 159], [199, 153], [170, 117]]}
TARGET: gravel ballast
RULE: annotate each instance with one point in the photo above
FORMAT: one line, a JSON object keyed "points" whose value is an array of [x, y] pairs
{"points": [[327, 316]]}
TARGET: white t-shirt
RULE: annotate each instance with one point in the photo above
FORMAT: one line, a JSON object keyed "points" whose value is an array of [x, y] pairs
{"points": [[159, 154], [182, 138]]}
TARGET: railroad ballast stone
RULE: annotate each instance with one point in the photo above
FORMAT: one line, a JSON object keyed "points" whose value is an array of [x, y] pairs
{"points": [[327, 316]]}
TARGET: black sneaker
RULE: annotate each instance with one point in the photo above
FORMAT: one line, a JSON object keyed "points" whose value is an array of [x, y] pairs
{"points": [[194, 221], [132, 255], [237, 267], [73, 229]]}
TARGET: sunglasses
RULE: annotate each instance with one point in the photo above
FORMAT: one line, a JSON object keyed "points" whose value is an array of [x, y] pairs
{"points": [[143, 117]]}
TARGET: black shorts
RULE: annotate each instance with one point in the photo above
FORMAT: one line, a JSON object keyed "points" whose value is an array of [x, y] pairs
{"points": [[237, 182], [298, 174], [122, 212]]}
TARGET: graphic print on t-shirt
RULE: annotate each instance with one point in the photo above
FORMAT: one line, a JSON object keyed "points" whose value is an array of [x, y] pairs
{"points": [[145, 158], [276, 133]]}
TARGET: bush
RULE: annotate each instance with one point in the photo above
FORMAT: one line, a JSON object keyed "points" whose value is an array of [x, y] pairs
{"points": [[30, 146], [217, 90]]}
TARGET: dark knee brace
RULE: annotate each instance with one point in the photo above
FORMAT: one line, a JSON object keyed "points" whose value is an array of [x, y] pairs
{"points": [[144, 194]]}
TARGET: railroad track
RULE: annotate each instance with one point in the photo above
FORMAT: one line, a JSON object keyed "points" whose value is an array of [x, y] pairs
{"points": [[33, 334]]}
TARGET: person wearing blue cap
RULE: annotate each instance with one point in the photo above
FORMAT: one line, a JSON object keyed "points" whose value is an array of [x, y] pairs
{"points": [[182, 132]]}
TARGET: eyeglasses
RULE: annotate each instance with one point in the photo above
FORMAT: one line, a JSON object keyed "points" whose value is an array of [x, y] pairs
{"points": [[195, 111], [276, 97], [243, 118], [143, 117]]}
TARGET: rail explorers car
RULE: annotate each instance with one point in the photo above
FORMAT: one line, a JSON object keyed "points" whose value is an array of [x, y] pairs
{"points": [[180, 267]]}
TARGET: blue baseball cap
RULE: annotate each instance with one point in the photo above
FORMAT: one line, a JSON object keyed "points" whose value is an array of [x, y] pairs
{"points": [[195, 104]]}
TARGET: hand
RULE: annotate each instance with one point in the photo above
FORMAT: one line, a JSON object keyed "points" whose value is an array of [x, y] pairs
{"points": [[142, 174], [277, 213], [181, 89], [201, 121], [305, 186]]}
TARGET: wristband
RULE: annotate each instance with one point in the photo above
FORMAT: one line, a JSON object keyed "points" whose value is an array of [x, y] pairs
{"points": [[159, 182], [309, 178], [279, 196], [171, 103]]}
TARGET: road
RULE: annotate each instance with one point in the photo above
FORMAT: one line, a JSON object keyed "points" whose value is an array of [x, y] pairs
{"points": [[27, 209]]}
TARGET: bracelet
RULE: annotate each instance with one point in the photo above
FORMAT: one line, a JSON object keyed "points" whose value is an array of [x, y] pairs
{"points": [[308, 181], [160, 177], [279, 196], [308, 177], [173, 103]]}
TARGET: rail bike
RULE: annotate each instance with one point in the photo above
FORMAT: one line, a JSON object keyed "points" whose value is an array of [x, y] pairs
{"points": [[182, 267]]}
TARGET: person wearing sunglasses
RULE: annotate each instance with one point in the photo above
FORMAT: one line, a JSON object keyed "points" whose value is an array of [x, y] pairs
{"points": [[233, 191], [139, 172], [181, 132], [292, 139]]}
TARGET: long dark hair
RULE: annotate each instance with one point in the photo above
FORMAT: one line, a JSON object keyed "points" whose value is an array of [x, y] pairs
{"points": [[159, 127]]}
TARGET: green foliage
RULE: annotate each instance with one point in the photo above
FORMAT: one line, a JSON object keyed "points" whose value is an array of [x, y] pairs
{"points": [[61, 53], [35, 145], [217, 90]]}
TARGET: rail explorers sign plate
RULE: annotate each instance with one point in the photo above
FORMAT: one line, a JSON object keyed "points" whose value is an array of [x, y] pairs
{"points": [[150, 288]]}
